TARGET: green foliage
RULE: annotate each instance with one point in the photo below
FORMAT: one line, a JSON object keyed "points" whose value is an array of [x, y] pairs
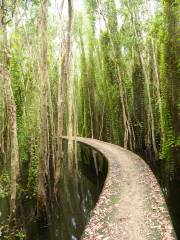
{"points": [[33, 170], [169, 55], [4, 185], [20, 235]]}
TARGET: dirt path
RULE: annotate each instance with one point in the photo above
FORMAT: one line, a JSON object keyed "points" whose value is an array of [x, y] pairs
{"points": [[131, 205]]}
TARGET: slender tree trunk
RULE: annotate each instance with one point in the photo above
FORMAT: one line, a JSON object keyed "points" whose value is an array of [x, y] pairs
{"points": [[11, 113], [70, 87], [156, 73], [128, 129], [2, 131], [64, 79], [91, 111], [60, 109], [68, 71], [127, 125], [150, 109], [102, 121], [44, 142], [86, 125], [139, 110], [152, 124]]}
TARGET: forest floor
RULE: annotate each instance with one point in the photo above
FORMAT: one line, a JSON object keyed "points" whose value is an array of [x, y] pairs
{"points": [[131, 205]]}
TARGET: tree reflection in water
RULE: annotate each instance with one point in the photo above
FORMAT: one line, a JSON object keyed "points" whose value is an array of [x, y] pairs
{"points": [[83, 173]]}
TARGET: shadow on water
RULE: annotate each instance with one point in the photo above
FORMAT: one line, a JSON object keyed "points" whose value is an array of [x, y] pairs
{"points": [[81, 183]]}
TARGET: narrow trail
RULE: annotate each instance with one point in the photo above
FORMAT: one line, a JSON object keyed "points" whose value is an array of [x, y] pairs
{"points": [[131, 205]]}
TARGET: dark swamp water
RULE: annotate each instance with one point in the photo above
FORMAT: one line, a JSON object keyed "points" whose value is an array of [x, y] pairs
{"points": [[79, 192], [69, 214]]}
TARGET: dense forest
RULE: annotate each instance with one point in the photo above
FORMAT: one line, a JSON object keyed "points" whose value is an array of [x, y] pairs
{"points": [[103, 69]]}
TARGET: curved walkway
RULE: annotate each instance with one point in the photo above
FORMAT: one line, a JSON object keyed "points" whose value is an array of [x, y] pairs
{"points": [[131, 205]]}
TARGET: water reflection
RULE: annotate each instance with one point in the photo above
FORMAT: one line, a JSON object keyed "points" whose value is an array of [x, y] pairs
{"points": [[82, 178]]}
